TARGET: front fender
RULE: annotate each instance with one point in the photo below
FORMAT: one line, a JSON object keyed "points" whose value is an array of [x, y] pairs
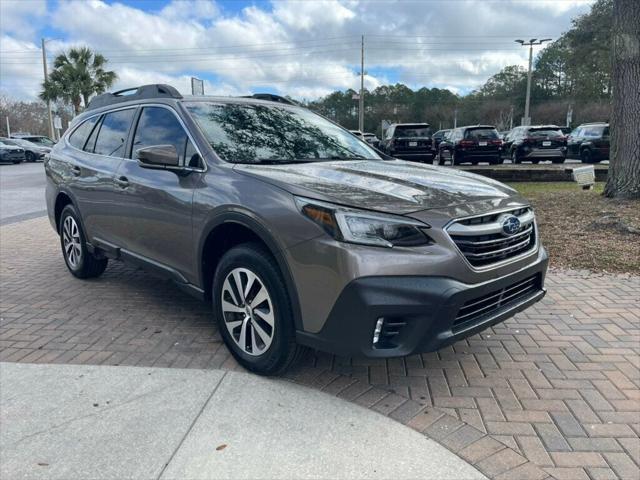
{"points": [[247, 219]]}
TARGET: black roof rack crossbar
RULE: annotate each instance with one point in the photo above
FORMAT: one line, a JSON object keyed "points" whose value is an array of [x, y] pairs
{"points": [[271, 97], [157, 90]]}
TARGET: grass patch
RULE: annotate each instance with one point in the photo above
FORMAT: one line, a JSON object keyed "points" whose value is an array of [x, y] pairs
{"points": [[584, 230]]}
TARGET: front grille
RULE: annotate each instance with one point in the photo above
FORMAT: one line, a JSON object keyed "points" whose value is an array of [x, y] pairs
{"points": [[477, 309], [482, 239]]}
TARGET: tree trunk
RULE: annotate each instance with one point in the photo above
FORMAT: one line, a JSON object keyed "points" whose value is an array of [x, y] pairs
{"points": [[624, 166], [76, 105]]}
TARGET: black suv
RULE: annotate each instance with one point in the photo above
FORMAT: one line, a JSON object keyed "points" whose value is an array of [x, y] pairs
{"points": [[473, 143], [589, 142], [535, 143], [409, 141], [438, 137]]}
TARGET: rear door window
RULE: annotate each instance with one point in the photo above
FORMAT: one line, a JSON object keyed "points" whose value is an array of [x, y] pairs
{"points": [[544, 132], [159, 126], [79, 136], [411, 131], [112, 136], [481, 134]]}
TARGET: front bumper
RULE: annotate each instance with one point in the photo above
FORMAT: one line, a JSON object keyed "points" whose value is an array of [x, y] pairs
{"points": [[543, 153], [424, 312]]}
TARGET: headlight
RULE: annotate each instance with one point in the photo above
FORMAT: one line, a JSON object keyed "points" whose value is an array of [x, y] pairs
{"points": [[366, 228]]}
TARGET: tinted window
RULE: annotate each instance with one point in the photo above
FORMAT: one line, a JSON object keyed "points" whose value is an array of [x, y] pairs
{"points": [[481, 133], [592, 132], [544, 132], [256, 133], [112, 136], [411, 131], [159, 126], [79, 136]]}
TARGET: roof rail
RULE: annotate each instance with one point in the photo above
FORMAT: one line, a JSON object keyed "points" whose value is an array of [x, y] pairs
{"points": [[156, 90], [271, 97]]}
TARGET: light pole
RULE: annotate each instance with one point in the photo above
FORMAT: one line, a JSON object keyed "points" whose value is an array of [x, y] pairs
{"points": [[46, 76], [534, 41]]}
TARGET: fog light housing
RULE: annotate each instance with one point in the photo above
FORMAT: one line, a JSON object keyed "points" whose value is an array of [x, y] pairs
{"points": [[378, 330]]}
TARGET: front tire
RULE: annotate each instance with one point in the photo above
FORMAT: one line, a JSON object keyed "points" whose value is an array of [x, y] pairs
{"points": [[514, 156], [30, 157], [253, 311], [80, 262], [586, 156]]}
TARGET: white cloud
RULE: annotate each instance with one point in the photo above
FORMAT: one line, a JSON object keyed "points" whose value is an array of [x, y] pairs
{"points": [[22, 18], [300, 48]]}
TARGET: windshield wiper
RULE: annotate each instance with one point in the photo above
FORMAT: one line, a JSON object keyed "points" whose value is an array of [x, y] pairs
{"points": [[338, 157], [280, 161]]}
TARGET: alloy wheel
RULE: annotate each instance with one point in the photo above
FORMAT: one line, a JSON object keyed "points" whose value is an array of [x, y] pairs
{"points": [[71, 242], [247, 310]]}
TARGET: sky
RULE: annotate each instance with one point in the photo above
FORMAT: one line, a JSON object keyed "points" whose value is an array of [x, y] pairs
{"points": [[302, 48]]}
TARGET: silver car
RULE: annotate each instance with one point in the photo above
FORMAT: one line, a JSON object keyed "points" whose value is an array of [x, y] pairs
{"points": [[296, 231]]}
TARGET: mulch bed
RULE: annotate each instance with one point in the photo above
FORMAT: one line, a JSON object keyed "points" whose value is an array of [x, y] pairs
{"points": [[583, 229]]}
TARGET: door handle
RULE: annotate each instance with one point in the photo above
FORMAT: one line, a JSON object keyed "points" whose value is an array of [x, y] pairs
{"points": [[122, 182], [75, 171]]}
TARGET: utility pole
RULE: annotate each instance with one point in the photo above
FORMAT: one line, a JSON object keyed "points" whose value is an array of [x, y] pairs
{"points": [[361, 98], [455, 118], [8, 127], [44, 67], [527, 119]]}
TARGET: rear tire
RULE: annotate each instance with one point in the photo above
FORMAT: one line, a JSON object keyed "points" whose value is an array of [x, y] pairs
{"points": [[80, 262], [514, 157], [557, 160], [16, 162], [255, 318]]}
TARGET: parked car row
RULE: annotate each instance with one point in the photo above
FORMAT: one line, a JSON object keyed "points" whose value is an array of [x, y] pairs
{"points": [[483, 143], [370, 138], [24, 148]]}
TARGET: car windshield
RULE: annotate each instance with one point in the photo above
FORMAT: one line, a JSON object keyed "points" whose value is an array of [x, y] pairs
{"points": [[411, 131], [257, 133], [481, 133], [545, 132]]}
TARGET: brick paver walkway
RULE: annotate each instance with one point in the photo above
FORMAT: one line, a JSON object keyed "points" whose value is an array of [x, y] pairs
{"points": [[554, 392]]}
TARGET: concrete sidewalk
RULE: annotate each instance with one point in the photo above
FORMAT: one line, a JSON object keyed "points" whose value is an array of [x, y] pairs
{"points": [[68, 421]]}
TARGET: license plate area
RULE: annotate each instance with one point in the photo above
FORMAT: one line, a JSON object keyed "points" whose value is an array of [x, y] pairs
{"points": [[546, 144], [482, 144], [413, 144]]}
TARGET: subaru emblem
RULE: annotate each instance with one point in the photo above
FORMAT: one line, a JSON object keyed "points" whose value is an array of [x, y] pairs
{"points": [[511, 225]]}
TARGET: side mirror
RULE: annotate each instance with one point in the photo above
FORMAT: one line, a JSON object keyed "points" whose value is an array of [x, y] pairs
{"points": [[158, 156]]}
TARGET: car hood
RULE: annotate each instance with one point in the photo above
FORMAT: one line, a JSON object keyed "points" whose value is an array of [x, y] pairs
{"points": [[392, 186]]}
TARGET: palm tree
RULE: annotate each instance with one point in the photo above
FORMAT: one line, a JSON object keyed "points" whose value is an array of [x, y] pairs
{"points": [[76, 76]]}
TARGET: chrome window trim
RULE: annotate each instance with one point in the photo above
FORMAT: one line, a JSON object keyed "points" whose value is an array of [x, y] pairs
{"points": [[68, 134], [502, 263], [135, 107]]}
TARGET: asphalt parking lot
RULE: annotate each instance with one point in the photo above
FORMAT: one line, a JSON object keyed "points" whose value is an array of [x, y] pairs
{"points": [[21, 191]]}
